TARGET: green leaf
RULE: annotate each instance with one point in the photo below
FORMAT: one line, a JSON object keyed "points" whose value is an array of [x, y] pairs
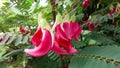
{"points": [[97, 57], [32, 8], [99, 38], [6, 56], [79, 16], [78, 44], [66, 18], [5, 38], [73, 18], [58, 19], [15, 10], [68, 2], [53, 56], [42, 22], [44, 62], [3, 50], [25, 39], [19, 40], [11, 39], [22, 6]]}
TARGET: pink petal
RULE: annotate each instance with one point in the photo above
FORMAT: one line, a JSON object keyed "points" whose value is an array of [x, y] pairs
{"points": [[60, 33], [57, 49], [71, 30], [44, 46], [63, 43], [64, 33], [36, 39]]}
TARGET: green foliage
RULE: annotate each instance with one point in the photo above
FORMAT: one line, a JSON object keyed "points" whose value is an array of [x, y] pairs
{"points": [[10, 51], [94, 51], [99, 38], [44, 62], [15, 39], [3, 50], [21, 5], [96, 57], [53, 56]]}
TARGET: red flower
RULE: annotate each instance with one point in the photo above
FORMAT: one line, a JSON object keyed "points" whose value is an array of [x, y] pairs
{"points": [[85, 3], [36, 39], [64, 49], [111, 11], [23, 31], [68, 30], [91, 26], [42, 40], [118, 9], [64, 33]]}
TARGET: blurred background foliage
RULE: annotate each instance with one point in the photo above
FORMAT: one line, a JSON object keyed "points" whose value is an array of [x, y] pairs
{"points": [[97, 41]]}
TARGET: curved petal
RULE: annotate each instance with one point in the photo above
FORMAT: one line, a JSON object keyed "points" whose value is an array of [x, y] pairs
{"points": [[36, 39], [71, 30], [57, 49], [60, 33], [44, 47], [64, 33], [76, 35], [63, 43]]}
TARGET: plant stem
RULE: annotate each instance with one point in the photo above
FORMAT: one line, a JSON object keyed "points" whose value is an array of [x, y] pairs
{"points": [[65, 65], [53, 9]]}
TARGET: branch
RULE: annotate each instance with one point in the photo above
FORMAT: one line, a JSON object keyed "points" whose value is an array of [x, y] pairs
{"points": [[53, 9]]}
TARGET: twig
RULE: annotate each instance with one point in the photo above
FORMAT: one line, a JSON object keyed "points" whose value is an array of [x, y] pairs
{"points": [[53, 9]]}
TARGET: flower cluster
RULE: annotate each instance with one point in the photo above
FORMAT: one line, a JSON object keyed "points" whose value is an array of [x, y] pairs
{"points": [[59, 42]]}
